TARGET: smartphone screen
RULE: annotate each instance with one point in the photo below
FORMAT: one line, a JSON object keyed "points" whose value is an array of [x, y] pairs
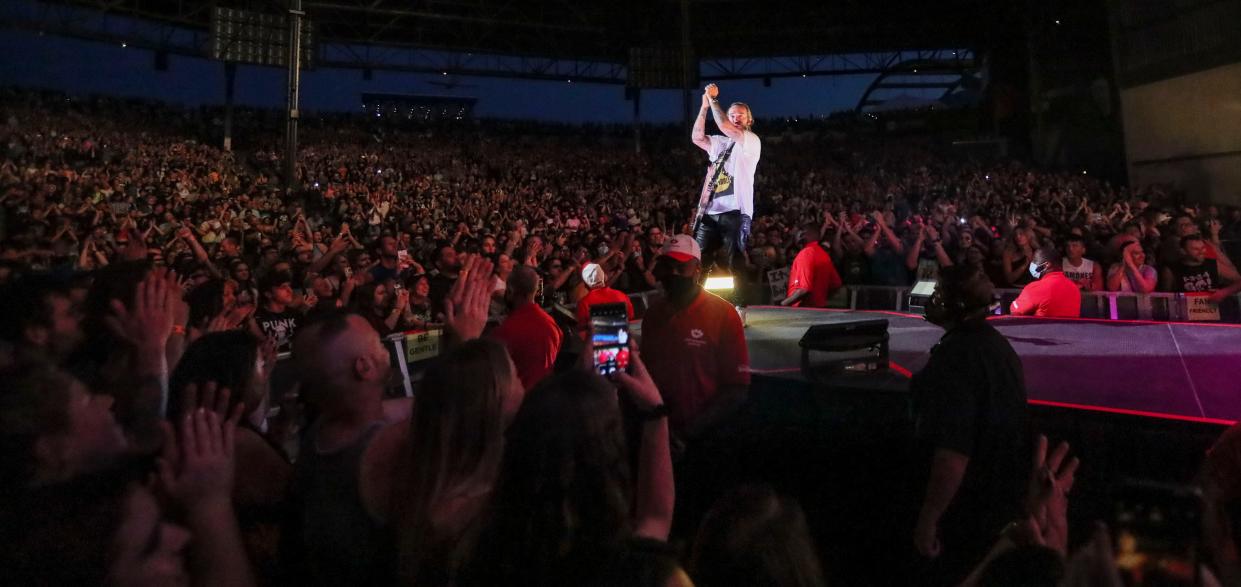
{"points": [[609, 338], [1155, 529]]}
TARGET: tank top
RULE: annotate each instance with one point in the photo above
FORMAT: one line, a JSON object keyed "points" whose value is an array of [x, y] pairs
{"points": [[344, 544], [1079, 273], [1024, 277]]}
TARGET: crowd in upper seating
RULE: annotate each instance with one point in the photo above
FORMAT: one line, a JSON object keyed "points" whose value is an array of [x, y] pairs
{"points": [[84, 178], [151, 436]]}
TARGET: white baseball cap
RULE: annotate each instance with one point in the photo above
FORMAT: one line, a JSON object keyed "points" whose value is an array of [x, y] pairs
{"points": [[681, 247], [592, 274]]}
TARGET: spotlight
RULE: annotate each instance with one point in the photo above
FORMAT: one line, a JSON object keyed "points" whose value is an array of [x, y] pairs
{"points": [[718, 283]]}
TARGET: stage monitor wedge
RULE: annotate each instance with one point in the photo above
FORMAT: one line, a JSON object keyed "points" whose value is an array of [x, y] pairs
{"points": [[859, 345]]}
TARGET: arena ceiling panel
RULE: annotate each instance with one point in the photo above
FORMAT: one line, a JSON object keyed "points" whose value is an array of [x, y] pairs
{"points": [[606, 30]]}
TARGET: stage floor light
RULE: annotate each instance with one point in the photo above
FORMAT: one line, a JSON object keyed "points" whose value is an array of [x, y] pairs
{"points": [[718, 283]]}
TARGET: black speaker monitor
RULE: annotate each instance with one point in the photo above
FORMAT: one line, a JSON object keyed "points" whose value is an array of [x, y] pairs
{"points": [[860, 345]]}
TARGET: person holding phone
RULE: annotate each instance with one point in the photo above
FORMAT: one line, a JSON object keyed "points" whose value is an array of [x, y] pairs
{"points": [[596, 281]]}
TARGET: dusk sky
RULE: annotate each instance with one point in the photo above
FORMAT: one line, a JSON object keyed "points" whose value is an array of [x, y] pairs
{"points": [[85, 67]]}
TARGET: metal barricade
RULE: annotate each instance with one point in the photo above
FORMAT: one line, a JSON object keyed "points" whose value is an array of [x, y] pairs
{"points": [[1104, 305]]}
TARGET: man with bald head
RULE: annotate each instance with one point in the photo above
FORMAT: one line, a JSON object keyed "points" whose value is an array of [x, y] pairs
{"points": [[530, 334], [1053, 295], [344, 369]]}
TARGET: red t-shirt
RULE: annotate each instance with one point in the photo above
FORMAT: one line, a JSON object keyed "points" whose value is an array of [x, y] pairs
{"points": [[603, 295], [532, 339], [693, 352], [813, 271], [1052, 296]]}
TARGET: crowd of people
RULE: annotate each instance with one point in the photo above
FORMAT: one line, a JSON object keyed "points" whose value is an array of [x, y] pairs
{"points": [[151, 283]]}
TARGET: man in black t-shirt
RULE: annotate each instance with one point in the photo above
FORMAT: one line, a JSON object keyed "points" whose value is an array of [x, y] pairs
{"points": [[275, 316], [447, 264], [1193, 272], [972, 428]]}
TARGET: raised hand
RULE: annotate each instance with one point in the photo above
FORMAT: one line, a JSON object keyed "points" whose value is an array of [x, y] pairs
{"points": [[176, 298], [1047, 501], [339, 244], [638, 383], [465, 308], [147, 322], [210, 397], [230, 318], [136, 248], [196, 467]]}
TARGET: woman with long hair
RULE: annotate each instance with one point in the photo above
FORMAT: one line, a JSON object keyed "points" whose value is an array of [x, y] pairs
{"points": [[566, 509], [385, 307], [455, 446], [235, 360], [754, 536], [420, 301], [1015, 258]]}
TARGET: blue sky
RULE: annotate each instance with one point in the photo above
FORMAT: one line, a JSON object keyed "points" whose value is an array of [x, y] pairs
{"points": [[83, 67]]}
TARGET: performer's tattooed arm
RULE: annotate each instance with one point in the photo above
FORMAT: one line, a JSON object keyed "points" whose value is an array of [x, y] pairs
{"points": [[699, 135], [729, 129]]}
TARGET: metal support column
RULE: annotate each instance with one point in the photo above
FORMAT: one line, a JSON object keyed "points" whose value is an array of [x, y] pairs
{"points": [[637, 120], [230, 81], [295, 74]]}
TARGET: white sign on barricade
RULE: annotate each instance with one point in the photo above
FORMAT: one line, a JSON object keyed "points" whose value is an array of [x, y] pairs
{"points": [[422, 345], [779, 280], [1201, 308]]}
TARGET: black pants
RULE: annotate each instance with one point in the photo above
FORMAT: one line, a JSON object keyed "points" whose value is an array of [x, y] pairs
{"points": [[720, 235]]}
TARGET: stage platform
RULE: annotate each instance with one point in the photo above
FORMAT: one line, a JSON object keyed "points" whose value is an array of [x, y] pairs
{"points": [[1177, 371]]}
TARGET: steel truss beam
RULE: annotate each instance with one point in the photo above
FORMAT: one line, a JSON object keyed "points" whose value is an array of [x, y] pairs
{"points": [[176, 36], [935, 60], [183, 33], [930, 68], [331, 54]]}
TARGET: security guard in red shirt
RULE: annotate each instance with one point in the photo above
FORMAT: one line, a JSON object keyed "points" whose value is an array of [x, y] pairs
{"points": [[1053, 295]]}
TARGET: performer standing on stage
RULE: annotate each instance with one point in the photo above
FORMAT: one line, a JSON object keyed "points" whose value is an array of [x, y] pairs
{"points": [[726, 205]]}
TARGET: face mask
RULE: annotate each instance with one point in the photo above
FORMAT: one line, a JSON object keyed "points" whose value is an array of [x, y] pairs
{"points": [[1035, 271], [677, 287], [936, 311]]}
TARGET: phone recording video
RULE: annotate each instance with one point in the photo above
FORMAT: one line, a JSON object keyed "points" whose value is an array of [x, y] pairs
{"points": [[609, 338], [1155, 533]]}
